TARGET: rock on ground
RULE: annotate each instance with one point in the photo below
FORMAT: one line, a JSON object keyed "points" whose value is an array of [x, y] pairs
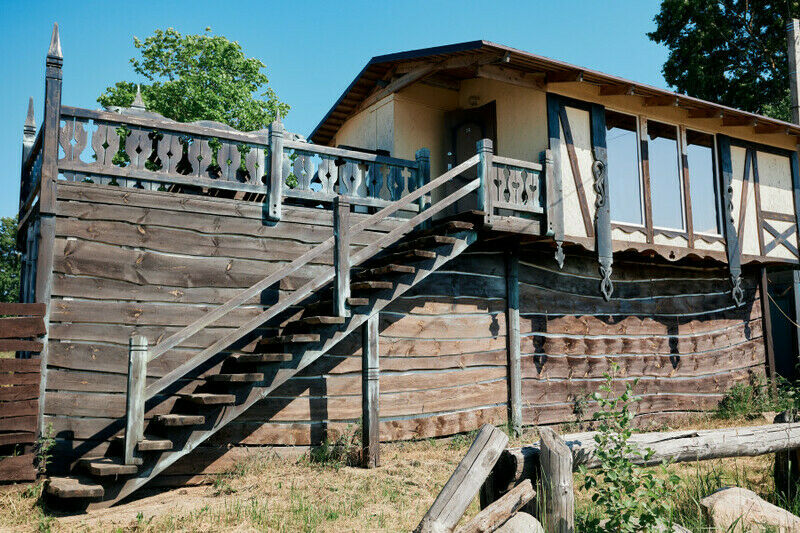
{"points": [[521, 523], [735, 510]]}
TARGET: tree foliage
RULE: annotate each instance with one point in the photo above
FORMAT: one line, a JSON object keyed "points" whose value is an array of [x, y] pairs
{"points": [[9, 260], [728, 51], [199, 77]]}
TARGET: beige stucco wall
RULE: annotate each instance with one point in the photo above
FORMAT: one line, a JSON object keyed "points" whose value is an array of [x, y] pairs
{"points": [[371, 129]]}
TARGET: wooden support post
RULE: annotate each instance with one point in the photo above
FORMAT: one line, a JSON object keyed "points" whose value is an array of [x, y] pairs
{"points": [[556, 474], [793, 33], [47, 199], [423, 159], [134, 404], [370, 392], [341, 254], [495, 514], [276, 178], [485, 151], [28, 139], [465, 482], [796, 314], [513, 340], [767, 331]]}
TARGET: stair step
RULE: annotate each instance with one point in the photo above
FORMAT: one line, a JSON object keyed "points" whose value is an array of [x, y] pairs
{"points": [[179, 420], [291, 339], [384, 271], [429, 241], [451, 226], [409, 255], [371, 285], [249, 377], [321, 320], [74, 487], [108, 466], [326, 306], [149, 444], [261, 357], [207, 398]]}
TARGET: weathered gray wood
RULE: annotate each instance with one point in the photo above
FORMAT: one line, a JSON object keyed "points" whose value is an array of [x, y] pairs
{"points": [[51, 125], [513, 340], [555, 462], [370, 392], [275, 197], [485, 153], [135, 400], [463, 485], [677, 446], [495, 514], [423, 160], [341, 255], [766, 316]]}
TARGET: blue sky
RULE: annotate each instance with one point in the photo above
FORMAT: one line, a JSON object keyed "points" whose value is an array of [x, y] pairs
{"points": [[312, 49]]}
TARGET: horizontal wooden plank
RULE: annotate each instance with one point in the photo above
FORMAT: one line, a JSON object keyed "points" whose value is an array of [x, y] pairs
{"points": [[13, 345], [19, 423], [17, 468], [19, 392], [19, 408], [32, 365], [449, 284], [32, 309], [17, 437], [443, 326], [18, 378], [97, 404], [444, 305], [749, 353], [21, 327]]}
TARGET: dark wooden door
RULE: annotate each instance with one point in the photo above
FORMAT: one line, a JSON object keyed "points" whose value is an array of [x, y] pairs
{"points": [[465, 127]]}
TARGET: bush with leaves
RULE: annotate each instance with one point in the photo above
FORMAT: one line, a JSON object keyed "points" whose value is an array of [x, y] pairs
{"points": [[9, 260], [629, 498]]}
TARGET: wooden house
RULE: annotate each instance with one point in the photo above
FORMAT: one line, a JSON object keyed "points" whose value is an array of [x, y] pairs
{"points": [[472, 234]]}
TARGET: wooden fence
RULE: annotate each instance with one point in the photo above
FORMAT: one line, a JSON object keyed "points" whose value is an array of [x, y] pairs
{"points": [[20, 326]]}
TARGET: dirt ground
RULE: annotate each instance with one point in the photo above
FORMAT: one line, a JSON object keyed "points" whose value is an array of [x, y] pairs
{"points": [[267, 493]]}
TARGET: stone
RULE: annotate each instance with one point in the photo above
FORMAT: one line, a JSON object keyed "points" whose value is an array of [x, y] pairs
{"points": [[735, 510], [521, 523]]}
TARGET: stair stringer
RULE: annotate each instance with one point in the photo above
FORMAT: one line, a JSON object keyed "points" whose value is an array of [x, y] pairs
{"points": [[289, 369]]}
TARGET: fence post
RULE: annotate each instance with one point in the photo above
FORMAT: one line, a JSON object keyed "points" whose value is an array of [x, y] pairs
{"points": [[555, 461], [485, 150], [423, 159], [370, 392], [512, 324], [275, 197], [134, 405], [341, 254]]}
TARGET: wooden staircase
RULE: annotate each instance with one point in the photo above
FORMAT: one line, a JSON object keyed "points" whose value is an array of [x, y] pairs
{"points": [[323, 312]]}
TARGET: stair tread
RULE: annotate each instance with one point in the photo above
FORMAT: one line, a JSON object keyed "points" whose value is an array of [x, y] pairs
{"points": [[446, 227], [371, 285], [328, 304], [108, 466], [149, 444], [410, 254], [321, 320], [209, 398], [294, 338], [244, 377], [74, 487], [172, 420], [261, 357], [429, 240], [385, 270]]}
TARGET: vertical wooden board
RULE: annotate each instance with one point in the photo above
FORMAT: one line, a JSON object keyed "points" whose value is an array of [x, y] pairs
{"points": [[513, 340], [370, 393]]}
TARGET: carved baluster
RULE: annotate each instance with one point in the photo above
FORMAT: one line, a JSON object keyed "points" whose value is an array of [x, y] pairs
{"points": [[360, 175], [99, 145], [303, 171], [346, 178], [223, 157], [132, 146], [200, 158], [286, 166], [515, 186], [532, 189], [385, 191], [65, 138], [254, 163], [81, 139], [501, 183], [328, 175]]}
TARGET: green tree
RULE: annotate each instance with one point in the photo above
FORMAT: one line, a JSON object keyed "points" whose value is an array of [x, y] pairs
{"points": [[9, 260], [199, 77], [728, 51]]}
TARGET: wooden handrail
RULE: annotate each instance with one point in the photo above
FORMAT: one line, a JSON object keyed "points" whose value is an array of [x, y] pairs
{"points": [[309, 288]]}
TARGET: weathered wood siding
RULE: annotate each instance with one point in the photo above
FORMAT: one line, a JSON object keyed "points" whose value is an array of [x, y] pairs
{"points": [[675, 328]]}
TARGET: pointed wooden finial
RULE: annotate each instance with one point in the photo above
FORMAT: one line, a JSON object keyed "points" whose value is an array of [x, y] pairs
{"points": [[138, 102], [55, 44], [30, 122]]}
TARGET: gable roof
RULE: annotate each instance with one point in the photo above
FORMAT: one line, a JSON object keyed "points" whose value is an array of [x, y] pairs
{"points": [[458, 61]]}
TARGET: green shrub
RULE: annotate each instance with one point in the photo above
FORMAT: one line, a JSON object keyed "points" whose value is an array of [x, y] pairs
{"points": [[751, 399], [626, 497]]}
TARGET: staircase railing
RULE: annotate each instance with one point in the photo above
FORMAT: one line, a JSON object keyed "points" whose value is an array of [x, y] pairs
{"points": [[339, 242]]}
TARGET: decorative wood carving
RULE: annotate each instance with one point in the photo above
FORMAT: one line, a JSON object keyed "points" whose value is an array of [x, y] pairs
{"points": [[602, 213], [732, 245]]}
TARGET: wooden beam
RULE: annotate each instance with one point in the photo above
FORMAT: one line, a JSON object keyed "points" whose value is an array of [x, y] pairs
{"points": [[739, 121], [617, 90], [705, 113], [403, 81], [555, 462], [511, 76], [569, 76], [772, 128], [767, 331], [463, 485], [370, 392], [661, 101], [134, 405], [451, 63], [513, 340], [494, 515]]}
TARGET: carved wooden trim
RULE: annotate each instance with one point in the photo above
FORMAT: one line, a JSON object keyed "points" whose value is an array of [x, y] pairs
{"points": [[732, 245], [602, 214]]}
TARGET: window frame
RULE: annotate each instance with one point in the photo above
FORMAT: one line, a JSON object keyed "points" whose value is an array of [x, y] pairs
{"points": [[716, 178], [640, 175], [679, 152]]}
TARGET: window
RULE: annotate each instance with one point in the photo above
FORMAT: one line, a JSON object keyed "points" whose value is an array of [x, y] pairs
{"points": [[702, 179], [665, 178], [623, 168]]}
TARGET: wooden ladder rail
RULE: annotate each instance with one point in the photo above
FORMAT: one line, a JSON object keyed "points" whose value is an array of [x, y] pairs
{"points": [[309, 288], [139, 355]]}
